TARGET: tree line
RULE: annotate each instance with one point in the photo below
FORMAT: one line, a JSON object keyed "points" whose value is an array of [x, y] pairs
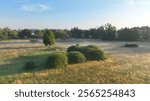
{"points": [[105, 32]]}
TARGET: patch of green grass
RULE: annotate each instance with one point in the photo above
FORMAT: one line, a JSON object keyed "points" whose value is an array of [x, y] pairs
{"points": [[14, 64]]}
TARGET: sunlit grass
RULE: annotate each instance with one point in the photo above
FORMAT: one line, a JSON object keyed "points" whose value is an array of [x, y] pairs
{"points": [[119, 68], [102, 72]]}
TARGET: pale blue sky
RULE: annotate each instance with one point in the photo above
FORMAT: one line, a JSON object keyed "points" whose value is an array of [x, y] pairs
{"points": [[73, 13]]}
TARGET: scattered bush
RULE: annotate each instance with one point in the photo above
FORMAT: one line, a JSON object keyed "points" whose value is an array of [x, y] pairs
{"points": [[57, 60], [131, 45], [78, 48], [92, 47], [91, 52], [86, 51], [30, 65], [97, 55], [76, 57], [73, 48]]}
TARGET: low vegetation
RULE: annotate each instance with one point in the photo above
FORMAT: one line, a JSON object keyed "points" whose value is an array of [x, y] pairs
{"points": [[131, 45], [73, 48], [57, 60], [91, 52], [128, 69], [75, 57], [92, 47], [122, 66], [77, 54]]}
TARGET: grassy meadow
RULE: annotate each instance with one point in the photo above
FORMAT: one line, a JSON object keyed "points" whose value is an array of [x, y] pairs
{"points": [[123, 66]]}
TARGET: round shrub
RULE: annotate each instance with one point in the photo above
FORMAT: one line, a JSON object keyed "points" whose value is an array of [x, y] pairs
{"points": [[86, 51], [93, 54], [92, 46], [76, 57], [57, 60], [131, 45], [30, 65], [97, 55], [73, 48]]}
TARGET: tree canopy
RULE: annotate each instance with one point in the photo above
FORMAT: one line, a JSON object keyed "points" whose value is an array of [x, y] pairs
{"points": [[105, 32], [48, 38]]}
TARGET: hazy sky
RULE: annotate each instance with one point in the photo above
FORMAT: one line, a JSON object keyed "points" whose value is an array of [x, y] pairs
{"points": [[71, 13]]}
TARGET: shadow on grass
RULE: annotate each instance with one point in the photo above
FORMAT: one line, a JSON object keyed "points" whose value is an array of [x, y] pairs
{"points": [[16, 65]]}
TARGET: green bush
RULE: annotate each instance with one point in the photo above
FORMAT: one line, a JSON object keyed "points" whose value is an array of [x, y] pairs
{"points": [[131, 45], [73, 48], [76, 57], [57, 60], [91, 52], [49, 38], [79, 48], [87, 52], [96, 55], [30, 65], [92, 47]]}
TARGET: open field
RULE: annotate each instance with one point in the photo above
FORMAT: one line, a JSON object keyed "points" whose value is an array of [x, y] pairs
{"points": [[124, 65]]}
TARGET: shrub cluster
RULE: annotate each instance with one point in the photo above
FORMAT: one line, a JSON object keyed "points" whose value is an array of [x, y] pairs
{"points": [[76, 57], [92, 47], [131, 45], [57, 60], [73, 48], [91, 52], [74, 54]]}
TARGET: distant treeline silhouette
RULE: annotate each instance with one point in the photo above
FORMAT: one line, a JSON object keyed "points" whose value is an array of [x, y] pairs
{"points": [[105, 32]]}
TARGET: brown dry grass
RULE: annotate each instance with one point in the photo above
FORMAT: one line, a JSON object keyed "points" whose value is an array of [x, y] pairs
{"points": [[96, 72], [120, 68]]}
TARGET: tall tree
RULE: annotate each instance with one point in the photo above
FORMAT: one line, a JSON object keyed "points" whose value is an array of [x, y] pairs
{"points": [[145, 33], [127, 34], [25, 33], [3, 35], [48, 38], [77, 33], [110, 32], [61, 34], [101, 31]]}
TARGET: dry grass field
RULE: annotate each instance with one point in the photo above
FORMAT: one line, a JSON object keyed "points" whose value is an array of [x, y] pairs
{"points": [[123, 66]]}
